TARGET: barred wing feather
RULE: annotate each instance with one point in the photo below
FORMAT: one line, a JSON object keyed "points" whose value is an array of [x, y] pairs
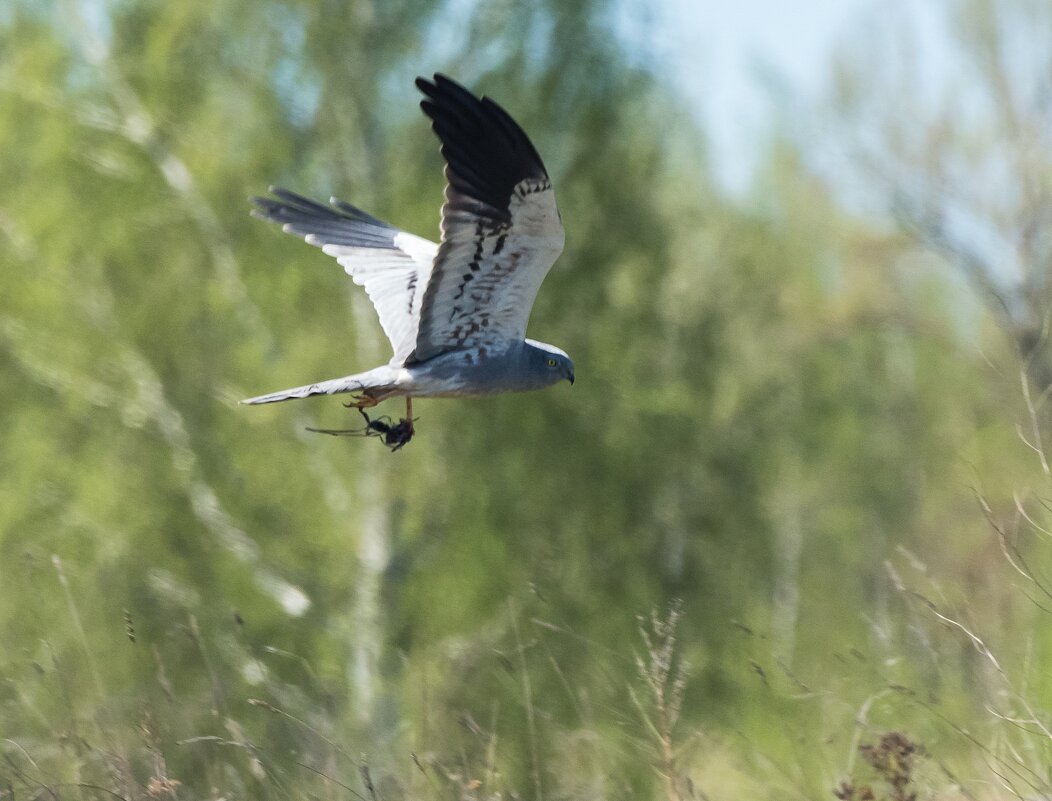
{"points": [[501, 230], [501, 233]]}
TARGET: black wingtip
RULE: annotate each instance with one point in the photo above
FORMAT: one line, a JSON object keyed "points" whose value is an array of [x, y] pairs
{"points": [[488, 153], [336, 224], [427, 85], [262, 202]]}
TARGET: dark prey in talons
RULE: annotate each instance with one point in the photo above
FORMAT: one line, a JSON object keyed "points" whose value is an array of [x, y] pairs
{"points": [[394, 436]]}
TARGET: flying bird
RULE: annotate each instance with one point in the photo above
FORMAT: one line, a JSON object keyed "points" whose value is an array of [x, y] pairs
{"points": [[455, 312]]}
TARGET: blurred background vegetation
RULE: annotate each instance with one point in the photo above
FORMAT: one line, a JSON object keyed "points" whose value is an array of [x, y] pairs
{"points": [[796, 500]]}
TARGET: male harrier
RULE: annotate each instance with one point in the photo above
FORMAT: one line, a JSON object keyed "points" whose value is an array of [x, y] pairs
{"points": [[455, 312]]}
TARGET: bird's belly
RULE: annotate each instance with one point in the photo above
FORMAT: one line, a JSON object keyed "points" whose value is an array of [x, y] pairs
{"points": [[458, 376]]}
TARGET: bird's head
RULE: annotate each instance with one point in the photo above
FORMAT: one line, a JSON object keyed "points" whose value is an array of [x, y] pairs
{"points": [[549, 362]]}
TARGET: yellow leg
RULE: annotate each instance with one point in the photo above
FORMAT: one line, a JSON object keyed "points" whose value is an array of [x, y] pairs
{"points": [[362, 402]]}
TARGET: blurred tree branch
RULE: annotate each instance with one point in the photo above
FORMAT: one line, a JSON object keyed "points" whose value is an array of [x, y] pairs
{"points": [[958, 140]]}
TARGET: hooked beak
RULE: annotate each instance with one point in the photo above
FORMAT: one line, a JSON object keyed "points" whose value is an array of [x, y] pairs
{"points": [[570, 378]]}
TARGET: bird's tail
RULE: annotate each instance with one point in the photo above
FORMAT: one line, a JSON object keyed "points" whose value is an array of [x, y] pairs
{"points": [[376, 384]]}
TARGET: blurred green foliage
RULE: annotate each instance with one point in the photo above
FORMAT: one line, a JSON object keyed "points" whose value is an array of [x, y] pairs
{"points": [[779, 432]]}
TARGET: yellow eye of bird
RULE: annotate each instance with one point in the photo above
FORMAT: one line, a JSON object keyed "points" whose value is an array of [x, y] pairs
{"points": [[551, 362]]}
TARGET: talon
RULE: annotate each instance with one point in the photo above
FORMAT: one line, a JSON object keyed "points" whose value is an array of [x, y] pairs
{"points": [[362, 401]]}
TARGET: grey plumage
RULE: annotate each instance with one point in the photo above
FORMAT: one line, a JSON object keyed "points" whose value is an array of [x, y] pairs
{"points": [[455, 312]]}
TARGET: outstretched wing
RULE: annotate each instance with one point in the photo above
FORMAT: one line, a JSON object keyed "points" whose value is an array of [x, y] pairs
{"points": [[501, 230], [392, 265]]}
